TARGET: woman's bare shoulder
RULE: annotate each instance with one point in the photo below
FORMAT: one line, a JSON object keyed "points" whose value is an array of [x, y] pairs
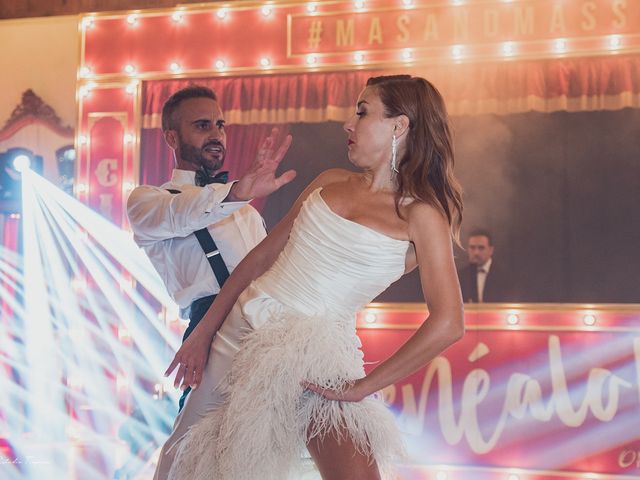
{"points": [[421, 214]]}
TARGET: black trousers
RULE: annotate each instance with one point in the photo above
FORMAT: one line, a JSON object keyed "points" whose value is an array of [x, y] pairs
{"points": [[198, 309]]}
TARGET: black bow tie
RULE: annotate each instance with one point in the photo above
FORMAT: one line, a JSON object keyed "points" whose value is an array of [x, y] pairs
{"points": [[203, 179]]}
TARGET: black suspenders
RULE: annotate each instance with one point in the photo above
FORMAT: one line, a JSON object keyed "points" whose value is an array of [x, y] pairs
{"points": [[211, 251]]}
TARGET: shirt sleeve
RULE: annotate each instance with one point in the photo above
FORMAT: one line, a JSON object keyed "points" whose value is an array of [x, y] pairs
{"points": [[156, 214]]}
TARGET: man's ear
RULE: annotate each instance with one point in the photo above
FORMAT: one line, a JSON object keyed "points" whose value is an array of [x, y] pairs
{"points": [[171, 137], [401, 125]]}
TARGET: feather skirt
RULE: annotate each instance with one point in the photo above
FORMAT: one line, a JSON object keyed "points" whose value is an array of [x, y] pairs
{"points": [[261, 430]]}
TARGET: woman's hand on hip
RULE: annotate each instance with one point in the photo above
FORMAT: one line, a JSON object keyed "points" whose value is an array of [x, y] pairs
{"points": [[353, 392]]}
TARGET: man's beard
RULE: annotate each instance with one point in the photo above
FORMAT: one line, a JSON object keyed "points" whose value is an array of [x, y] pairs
{"points": [[196, 156]]}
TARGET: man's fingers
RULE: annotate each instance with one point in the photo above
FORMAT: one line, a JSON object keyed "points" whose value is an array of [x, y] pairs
{"points": [[283, 148], [285, 178], [263, 145]]}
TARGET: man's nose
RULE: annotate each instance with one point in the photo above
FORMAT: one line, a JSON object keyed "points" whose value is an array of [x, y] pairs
{"points": [[215, 134]]}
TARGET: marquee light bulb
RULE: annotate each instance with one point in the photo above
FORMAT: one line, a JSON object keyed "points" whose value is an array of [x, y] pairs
{"points": [[220, 64], [128, 138], [311, 8], [513, 319], [358, 57], [589, 319], [615, 41], [265, 62], [508, 48], [407, 54], [370, 317], [222, 13], [175, 67], [312, 59], [131, 88], [456, 51], [132, 19], [407, 3], [560, 45], [81, 187], [88, 22], [266, 10], [129, 69], [177, 17], [85, 71], [359, 4]]}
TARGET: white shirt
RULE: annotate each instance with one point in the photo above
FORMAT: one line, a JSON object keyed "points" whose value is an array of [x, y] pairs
{"points": [[481, 278], [163, 224]]}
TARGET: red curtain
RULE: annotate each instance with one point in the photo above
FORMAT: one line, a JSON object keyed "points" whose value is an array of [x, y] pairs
{"points": [[266, 99], [572, 84]]}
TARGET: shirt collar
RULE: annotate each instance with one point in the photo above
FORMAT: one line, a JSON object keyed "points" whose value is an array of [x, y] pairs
{"points": [[487, 266], [183, 177]]}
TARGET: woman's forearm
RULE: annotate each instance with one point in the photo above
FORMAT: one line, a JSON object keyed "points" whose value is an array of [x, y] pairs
{"points": [[433, 337]]}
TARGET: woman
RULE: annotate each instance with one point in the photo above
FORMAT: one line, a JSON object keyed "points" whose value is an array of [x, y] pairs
{"points": [[285, 370]]}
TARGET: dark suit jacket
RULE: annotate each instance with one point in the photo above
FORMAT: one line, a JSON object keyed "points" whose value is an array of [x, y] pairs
{"points": [[498, 286]]}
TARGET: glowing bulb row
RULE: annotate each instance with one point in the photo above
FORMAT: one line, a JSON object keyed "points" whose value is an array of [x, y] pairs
{"points": [[589, 319], [507, 49], [179, 15], [85, 90], [174, 67], [511, 319], [266, 11]]}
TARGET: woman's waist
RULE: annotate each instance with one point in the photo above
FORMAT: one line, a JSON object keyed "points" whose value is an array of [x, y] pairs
{"points": [[266, 300]]}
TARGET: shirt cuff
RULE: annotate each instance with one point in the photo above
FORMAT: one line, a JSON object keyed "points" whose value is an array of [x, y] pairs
{"points": [[217, 203]]}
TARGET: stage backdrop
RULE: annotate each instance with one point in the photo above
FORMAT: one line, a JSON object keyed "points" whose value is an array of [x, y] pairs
{"points": [[531, 392]]}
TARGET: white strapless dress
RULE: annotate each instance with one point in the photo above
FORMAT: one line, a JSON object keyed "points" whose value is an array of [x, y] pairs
{"points": [[301, 327]]}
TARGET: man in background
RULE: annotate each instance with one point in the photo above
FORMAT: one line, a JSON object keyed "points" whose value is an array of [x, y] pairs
{"points": [[483, 279]]}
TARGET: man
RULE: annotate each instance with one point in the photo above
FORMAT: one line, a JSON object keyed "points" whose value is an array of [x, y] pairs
{"points": [[165, 218], [482, 280], [194, 231]]}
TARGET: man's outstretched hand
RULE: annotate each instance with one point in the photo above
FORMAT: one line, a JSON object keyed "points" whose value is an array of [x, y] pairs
{"points": [[261, 178]]}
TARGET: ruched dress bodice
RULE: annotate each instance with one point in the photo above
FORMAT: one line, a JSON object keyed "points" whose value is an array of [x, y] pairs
{"points": [[329, 264]]}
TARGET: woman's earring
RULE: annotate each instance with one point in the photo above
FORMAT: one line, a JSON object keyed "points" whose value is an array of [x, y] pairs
{"points": [[394, 153]]}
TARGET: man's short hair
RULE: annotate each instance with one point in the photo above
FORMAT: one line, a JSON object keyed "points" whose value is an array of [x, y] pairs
{"points": [[171, 105], [481, 232]]}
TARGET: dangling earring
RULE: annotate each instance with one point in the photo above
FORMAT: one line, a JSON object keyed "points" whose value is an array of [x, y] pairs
{"points": [[394, 153]]}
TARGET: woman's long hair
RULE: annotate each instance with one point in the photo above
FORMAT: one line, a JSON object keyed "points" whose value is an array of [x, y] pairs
{"points": [[425, 171]]}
